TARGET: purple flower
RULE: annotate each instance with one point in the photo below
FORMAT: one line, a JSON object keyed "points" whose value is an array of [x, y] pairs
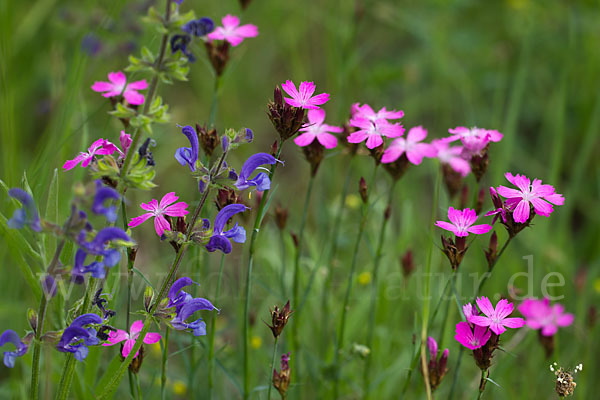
{"points": [[104, 193], [232, 32], [261, 181], [199, 27], [411, 146], [10, 336], [27, 215], [220, 239], [541, 315], [97, 247], [471, 337], [180, 43], [496, 318], [197, 327], [76, 338], [462, 223], [303, 97], [188, 155], [177, 296]]}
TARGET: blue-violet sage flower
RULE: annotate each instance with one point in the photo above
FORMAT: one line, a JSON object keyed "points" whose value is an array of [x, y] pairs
{"points": [[76, 338], [178, 297], [104, 193], [10, 336], [199, 27], [27, 215], [261, 181], [198, 327], [188, 155], [220, 239]]}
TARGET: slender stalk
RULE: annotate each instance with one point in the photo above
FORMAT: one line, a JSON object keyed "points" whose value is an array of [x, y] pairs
{"points": [[270, 384], [374, 290], [482, 383], [296, 287], [41, 317], [427, 286], [282, 262], [251, 250], [116, 378], [163, 371], [214, 105], [211, 335]]}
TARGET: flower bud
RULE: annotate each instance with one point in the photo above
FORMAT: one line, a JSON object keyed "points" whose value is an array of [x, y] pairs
{"points": [[480, 199], [295, 239], [479, 163], [464, 196], [362, 190], [314, 153], [148, 295], [208, 138], [32, 318], [281, 379], [281, 215], [408, 265], [454, 251], [492, 251], [279, 318], [286, 120], [398, 167], [218, 54], [277, 97]]}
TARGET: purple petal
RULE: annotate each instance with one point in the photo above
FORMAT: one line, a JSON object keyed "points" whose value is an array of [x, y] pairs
{"points": [[225, 214], [219, 242]]}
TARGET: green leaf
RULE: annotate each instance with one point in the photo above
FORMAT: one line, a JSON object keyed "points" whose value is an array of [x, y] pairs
{"points": [[51, 212], [137, 271], [110, 371], [488, 379]]}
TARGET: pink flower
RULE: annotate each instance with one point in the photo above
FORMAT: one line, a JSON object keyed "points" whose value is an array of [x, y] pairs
{"points": [[130, 338], [415, 151], [471, 337], [536, 194], [373, 132], [125, 140], [118, 85], [366, 112], [540, 314], [452, 156], [166, 207], [232, 32], [98, 148], [496, 318], [304, 97], [474, 140], [462, 223], [317, 129]]}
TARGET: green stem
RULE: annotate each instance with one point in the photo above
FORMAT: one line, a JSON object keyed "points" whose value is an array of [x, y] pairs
{"points": [[374, 289], [251, 250], [283, 263], [427, 286], [270, 384], [211, 337], [296, 285], [165, 357], [113, 382], [482, 384], [138, 387], [214, 105], [130, 262]]}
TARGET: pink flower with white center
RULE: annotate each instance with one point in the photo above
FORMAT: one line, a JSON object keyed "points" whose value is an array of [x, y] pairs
{"points": [[232, 32], [471, 337], [496, 318], [100, 147], [452, 156], [303, 97], [366, 112], [156, 210], [373, 132], [118, 85], [536, 194], [462, 223], [131, 337], [541, 315], [317, 129], [415, 151], [474, 139]]}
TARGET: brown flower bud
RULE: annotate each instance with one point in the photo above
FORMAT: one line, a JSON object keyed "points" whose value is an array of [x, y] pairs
{"points": [[281, 379], [226, 197], [294, 239], [32, 318], [244, 3], [454, 250], [398, 167], [408, 265], [362, 190], [208, 139], [464, 196], [218, 54], [479, 163], [492, 251], [483, 355], [286, 120], [281, 215], [314, 153], [279, 318]]}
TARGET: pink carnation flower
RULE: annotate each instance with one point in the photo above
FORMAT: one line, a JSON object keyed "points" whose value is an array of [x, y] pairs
{"points": [[452, 156], [471, 337], [496, 318], [541, 315], [304, 97], [536, 194], [474, 140], [373, 132], [98, 148], [166, 207], [366, 112], [231, 31], [415, 151], [131, 337], [118, 85], [317, 129], [462, 223]]}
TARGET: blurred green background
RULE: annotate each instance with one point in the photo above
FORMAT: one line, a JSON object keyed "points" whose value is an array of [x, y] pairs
{"points": [[527, 68]]}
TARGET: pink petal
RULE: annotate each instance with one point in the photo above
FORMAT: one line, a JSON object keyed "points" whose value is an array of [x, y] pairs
{"points": [[426, 149], [327, 140], [317, 100], [556, 199], [306, 90], [485, 306], [498, 329], [391, 154], [542, 207], [416, 134], [461, 166], [549, 330], [139, 220], [133, 97], [217, 34], [127, 347], [70, 164], [167, 199], [390, 130], [480, 320], [304, 139], [316, 117], [565, 320], [521, 212], [247, 31], [513, 322], [373, 141], [292, 102], [357, 137], [447, 226], [290, 89], [116, 337], [479, 229], [136, 328], [102, 86], [454, 215], [152, 205], [503, 308], [161, 225], [138, 85], [331, 128], [414, 157], [509, 193], [152, 337], [177, 210], [234, 39], [230, 21], [117, 78]]}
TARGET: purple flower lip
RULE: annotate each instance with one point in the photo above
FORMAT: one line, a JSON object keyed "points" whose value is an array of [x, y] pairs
{"points": [[261, 181], [10, 336], [76, 338], [188, 155], [27, 215], [104, 193], [220, 239]]}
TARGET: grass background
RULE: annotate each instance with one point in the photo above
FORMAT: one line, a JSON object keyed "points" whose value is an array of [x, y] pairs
{"points": [[527, 68]]}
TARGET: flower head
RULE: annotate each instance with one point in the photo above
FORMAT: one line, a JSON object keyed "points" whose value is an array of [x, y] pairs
{"points": [[28, 215], [199, 27], [131, 337], [197, 327], [118, 85], [366, 112], [496, 318], [159, 210], [220, 238], [279, 318], [462, 223], [303, 97], [104, 193], [539, 314], [261, 181], [373, 131], [232, 32], [316, 129], [411, 146], [436, 366], [76, 338], [188, 155], [10, 336], [471, 337], [474, 139], [281, 379], [177, 296], [99, 148], [451, 156], [535, 194]]}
